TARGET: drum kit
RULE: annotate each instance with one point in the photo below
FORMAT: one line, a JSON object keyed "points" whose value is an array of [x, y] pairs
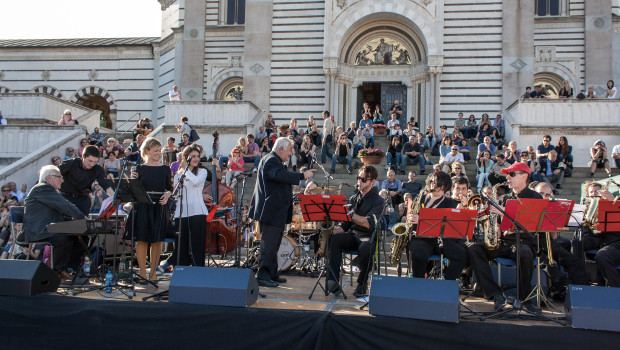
{"points": [[295, 245]]}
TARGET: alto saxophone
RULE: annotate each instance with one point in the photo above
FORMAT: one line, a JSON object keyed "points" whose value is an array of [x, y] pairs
{"points": [[491, 226], [401, 233]]}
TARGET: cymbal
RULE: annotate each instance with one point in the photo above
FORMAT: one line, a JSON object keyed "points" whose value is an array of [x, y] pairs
{"points": [[329, 188], [315, 190]]}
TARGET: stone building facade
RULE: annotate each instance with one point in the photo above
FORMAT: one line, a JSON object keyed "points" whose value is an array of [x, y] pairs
{"points": [[294, 58]]}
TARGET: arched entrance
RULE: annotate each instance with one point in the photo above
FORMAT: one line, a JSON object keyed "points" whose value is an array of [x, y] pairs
{"points": [[98, 103]]}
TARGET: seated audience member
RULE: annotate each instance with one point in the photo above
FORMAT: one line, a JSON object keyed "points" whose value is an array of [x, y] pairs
{"points": [[377, 117], [392, 122], [413, 153], [270, 124], [496, 175], [351, 131], [465, 150], [359, 142], [591, 93], [132, 153], [486, 146], [368, 132], [538, 92], [484, 165], [261, 135], [66, 118], [97, 196], [83, 143], [264, 146], [252, 152], [56, 160], [527, 94], [565, 154], [112, 166], [599, 158], [96, 138], [292, 161], [431, 137], [566, 91], [499, 124], [497, 139], [412, 187], [485, 130], [70, 153], [615, 154], [307, 151], [390, 215], [460, 123], [457, 135], [512, 154], [445, 147], [169, 153], [611, 89], [454, 156], [44, 205], [110, 146], [457, 171], [544, 148], [235, 165], [471, 127], [342, 153], [393, 153], [315, 135], [184, 143], [393, 186]]}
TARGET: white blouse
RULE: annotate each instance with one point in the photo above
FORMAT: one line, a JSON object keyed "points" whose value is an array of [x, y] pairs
{"points": [[193, 204]]}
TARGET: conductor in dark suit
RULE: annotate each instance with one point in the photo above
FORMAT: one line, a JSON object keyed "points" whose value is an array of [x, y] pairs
{"points": [[272, 207], [44, 205]]}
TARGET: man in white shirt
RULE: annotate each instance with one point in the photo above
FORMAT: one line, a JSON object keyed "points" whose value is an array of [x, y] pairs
{"points": [[453, 156], [591, 93], [615, 154], [175, 94]]}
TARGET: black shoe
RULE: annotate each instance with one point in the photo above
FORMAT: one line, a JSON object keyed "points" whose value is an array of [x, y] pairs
{"points": [[332, 172], [280, 280], [499, 302], [421, 172], [360, 291], [350, 171], [531, 306], [333, 287], [267, 283], [555, 192], [402, 172], [558, 186]]}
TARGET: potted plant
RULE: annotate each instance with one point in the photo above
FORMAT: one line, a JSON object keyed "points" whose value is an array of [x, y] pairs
{"points": [[371, 156], [379, 129]]}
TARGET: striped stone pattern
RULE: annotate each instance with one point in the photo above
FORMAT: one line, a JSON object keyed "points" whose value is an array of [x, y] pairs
{"points": [[568, 38], [166, 80], [297, 81], [220, 46], [471, 81], [576, 8], [48, 90]]}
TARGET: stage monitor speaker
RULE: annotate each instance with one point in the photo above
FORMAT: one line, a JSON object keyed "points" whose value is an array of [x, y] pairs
{"points": [[593, 307], [26, 277], [424, 299], [213, 286]]}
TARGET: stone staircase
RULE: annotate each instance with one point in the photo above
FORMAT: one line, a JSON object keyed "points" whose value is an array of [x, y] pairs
{"points": [[571, 187]]}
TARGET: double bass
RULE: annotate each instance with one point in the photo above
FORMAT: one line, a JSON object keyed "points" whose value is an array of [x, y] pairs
{"points": [[221, 230]]}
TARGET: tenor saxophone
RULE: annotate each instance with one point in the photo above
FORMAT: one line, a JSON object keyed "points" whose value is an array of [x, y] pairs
{"points": [[491, 226], [401, 233], [326, 229]]}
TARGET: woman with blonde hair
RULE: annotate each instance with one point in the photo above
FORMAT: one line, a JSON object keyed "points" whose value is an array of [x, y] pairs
{"points": [[66, 118], [152, 220]]}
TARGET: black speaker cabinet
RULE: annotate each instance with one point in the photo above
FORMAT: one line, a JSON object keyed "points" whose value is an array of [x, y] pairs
{"points": [[213, 286], [593, 307], [424, 299], [26, 277]]}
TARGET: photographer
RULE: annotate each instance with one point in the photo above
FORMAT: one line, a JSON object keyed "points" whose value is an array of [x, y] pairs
{"points": [[342, 153], [599, 158]]}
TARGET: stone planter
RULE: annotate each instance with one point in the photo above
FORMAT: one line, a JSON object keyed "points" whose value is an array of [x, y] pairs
{"points": [[371, 160], [379, 131]]}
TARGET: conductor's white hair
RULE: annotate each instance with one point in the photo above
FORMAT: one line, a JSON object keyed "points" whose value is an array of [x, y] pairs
{"points": [[46, 171], [282, 142]]}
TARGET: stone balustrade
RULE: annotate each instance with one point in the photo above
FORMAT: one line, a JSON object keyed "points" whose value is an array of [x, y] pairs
{"points": [[33, 107], [581, 121]]}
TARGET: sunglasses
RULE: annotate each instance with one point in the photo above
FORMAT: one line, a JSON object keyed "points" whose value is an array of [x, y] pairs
{"points": [[6, 190], [513, 173], [363, 179]]}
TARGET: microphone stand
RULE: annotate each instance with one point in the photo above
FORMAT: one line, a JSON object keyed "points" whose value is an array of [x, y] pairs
{"points": [[517, 306], [243, 176], [177, 191]]}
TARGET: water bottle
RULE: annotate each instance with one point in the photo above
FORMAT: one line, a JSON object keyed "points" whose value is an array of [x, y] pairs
{"points": [[108, 282], [86, 266]]}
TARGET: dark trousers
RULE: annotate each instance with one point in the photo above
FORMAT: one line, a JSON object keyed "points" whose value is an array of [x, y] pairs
{"points": [[606, 261], [271, 237], [588, 241], [494, 179], [83, 203], [191, 247], [479, 257], [453, 249], [67, 251], [571, 262], [343, 242]]}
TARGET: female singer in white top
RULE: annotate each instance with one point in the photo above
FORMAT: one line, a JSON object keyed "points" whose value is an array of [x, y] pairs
{"points": [[194, 216]]}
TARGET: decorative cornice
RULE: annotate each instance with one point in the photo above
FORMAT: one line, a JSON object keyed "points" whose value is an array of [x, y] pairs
{"points": [[569, 130], [225, 29]]}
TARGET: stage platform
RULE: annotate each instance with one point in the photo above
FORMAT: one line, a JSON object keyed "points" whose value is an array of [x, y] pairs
{"points": [[284, 319]]}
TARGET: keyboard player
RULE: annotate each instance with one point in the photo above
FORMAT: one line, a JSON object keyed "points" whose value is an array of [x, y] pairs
{"points": [[45, 205]]}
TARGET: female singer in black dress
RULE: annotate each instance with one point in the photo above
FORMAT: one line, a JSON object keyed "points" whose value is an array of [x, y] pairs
{"points": [[194, 225], [421, 249], [152, 220]]}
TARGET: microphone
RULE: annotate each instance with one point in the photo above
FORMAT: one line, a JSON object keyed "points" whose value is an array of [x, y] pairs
{"points": [[189, 160]]}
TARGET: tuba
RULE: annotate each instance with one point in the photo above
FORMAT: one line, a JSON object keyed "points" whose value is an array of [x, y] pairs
{"points": [[590, 212], [401, 232]]}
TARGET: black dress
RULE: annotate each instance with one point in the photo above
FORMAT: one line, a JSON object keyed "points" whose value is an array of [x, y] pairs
{"points": [[153, 220]]}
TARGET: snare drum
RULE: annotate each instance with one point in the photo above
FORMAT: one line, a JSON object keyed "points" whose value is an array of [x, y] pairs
{"points": [[285, 259], [298, 224]]}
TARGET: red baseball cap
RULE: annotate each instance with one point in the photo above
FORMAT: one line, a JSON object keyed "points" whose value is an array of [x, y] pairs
{"points": [[517, 166]]}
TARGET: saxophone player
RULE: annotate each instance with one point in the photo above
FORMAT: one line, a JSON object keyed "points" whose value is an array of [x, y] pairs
{"points": [[367, 208], [561, 255], [588, 240], [479, 254], [608, 257], [421, 249]]}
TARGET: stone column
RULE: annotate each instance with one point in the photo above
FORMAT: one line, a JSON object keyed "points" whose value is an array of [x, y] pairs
{"points": [[598, 39], [518, 48], [431, 99], [353, 104], [193, 50], [436, 100], [410, 104], [257, 52]]}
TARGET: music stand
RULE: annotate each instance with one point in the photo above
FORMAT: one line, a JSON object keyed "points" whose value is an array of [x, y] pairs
{"points": [[608, 216], [446, 223], [552, 219], [321, 207], [524, 215]]}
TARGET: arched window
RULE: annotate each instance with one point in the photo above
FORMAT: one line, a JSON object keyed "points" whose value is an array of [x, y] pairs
{"points": [[230, 90], [549, 7], [235, 12], [550, 83]]}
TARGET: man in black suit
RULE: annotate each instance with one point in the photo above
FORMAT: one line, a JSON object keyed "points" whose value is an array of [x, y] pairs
{"points": [[272, 207], [44, 205]]}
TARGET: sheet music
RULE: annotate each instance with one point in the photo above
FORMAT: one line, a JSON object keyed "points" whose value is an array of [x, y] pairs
{"points": [[577, 215]]}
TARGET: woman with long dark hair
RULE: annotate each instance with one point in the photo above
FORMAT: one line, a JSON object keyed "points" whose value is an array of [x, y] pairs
{"points": [[565, 152], [152, 220], [193, 219]]}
